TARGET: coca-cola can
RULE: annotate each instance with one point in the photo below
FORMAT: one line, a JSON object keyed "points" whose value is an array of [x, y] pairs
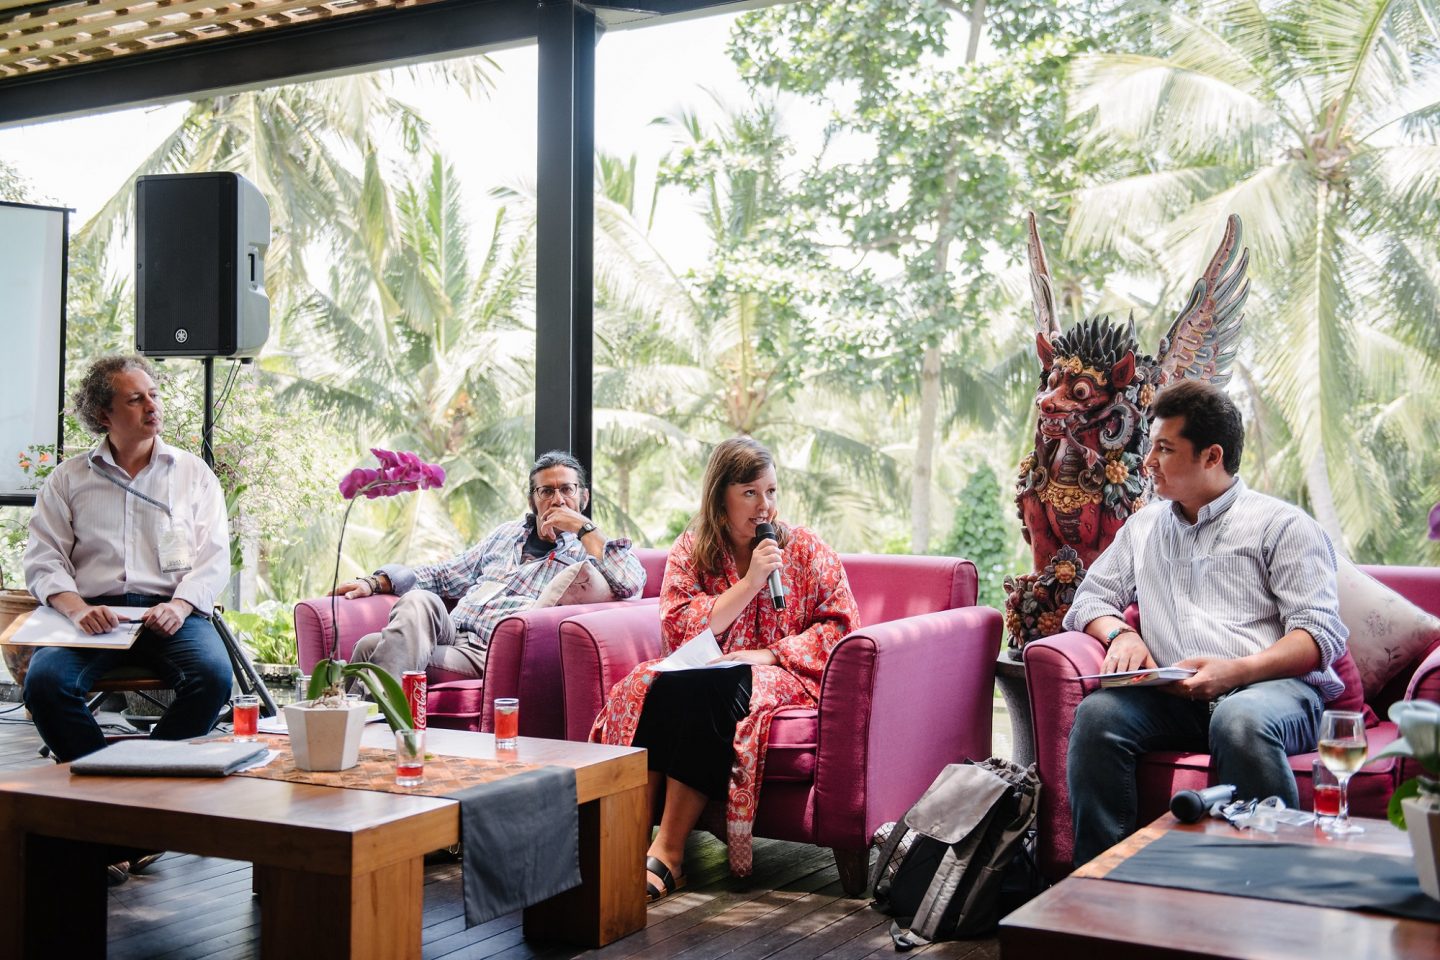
{"points": [[413, 683]]}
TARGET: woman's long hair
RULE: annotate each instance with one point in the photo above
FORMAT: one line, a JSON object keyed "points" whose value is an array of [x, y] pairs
{"points": [[737, 460]]}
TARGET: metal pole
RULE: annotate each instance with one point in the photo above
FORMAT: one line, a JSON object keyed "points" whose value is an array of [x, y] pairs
{"points": [[207, 432], [564, 266]]}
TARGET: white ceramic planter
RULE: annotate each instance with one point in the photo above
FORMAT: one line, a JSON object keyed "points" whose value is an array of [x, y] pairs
{"points": [[1422, 822], [325, 738]]}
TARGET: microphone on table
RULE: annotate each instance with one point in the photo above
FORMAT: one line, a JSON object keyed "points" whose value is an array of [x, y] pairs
{"points": [[1189, 806], [763, 531]]}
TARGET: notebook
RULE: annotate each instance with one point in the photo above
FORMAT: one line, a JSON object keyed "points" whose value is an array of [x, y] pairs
{"points": [[170, 758]]}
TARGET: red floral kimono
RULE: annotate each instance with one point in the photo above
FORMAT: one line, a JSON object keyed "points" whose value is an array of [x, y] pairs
{"points": [[819, 611]]}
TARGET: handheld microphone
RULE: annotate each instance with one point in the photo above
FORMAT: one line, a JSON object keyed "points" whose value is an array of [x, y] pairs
{"points": [[1189, 806], [763, 531]]}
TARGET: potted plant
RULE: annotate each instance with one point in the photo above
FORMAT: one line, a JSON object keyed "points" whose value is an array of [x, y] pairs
{"points": [[1415, 805], [324, 729], [37, 462]]}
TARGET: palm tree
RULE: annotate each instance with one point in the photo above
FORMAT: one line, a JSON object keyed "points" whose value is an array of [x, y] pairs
{"points": [[1314, 120], [416, 346]]}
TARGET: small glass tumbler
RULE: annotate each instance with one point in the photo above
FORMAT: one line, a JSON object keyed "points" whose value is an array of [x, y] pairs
{"points": [[1326, 788], [244, 717], [507, 723], [409, 758]]}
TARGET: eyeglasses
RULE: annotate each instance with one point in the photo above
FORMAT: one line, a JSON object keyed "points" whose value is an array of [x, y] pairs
{"points": [[568, 490]]}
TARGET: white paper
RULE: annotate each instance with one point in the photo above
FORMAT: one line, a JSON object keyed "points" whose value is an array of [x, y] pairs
{"points": [[697, 654], [47, 627], [257, 764]]}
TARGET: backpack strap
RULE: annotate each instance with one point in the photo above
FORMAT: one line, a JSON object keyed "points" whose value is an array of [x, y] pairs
{"points": [[887, 852]]}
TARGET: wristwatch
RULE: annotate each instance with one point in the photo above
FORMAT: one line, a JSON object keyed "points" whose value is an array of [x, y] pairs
{"points": [[585, 530]]}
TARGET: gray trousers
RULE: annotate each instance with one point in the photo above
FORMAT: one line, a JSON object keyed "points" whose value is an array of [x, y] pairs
{"points": [[420, 634]]}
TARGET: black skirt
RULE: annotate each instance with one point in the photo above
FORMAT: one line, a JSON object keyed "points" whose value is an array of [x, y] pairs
{"points": [[688, 725]]}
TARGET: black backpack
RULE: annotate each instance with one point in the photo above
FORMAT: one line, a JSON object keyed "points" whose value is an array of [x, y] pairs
{"points": [[961, 843]]}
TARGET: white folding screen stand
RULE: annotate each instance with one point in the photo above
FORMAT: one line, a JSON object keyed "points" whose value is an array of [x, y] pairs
{"points": [[33, 246]]}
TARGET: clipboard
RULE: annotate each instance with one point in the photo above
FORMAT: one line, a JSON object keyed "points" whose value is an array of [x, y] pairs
{"points": [[45, 627]]}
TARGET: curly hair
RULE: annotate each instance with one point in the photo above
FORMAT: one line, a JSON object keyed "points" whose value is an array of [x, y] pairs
{"points": [[96, 392], [737, 460]]}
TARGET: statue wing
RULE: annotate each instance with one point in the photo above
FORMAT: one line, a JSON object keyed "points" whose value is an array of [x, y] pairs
{"points": [[1202, 341], [1041, 286]]}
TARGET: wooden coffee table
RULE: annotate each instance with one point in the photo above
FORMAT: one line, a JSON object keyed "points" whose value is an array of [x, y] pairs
{"points": [[1086, 915], [339, 872]]}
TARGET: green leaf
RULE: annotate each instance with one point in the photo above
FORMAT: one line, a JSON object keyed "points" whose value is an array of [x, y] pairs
{"points": [[1410, 788], [326, 674], [387, 693]]}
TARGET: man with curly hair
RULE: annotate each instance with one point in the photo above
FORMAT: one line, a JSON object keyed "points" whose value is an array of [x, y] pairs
{"points": [[133, 522]]}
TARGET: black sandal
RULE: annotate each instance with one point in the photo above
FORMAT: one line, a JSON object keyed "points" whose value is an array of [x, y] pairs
{"points": [[657, 866]]}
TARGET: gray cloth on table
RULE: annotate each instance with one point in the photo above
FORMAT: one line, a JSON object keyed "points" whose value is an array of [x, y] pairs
{"points": [[521, 841], [1289, 872]]}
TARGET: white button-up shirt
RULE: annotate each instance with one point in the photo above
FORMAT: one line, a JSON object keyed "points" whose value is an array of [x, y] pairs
{"points": [[1249, 570], [89, 536]]}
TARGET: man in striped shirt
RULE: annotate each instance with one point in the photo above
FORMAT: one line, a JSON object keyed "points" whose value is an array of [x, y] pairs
{"points": [[1236, 585], [503, 574]]}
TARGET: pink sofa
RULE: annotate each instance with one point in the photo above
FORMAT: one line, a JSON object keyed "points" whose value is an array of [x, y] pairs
{"points": [[524, 658], [1052, 664], [901, 697]]}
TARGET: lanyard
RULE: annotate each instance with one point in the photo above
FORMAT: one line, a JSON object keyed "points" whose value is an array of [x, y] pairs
{"points": [[131, 490]]}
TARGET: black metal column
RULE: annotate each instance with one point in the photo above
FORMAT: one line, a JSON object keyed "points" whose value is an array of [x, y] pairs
{"points": [[564, 263]]}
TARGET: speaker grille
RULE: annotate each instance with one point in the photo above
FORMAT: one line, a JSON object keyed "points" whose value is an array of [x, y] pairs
{"points": [[185, 263]]}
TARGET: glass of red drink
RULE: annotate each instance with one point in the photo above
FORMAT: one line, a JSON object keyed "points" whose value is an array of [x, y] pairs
{"points": [[1326, 790], [244, 717], [409, 757], [507, 723]]}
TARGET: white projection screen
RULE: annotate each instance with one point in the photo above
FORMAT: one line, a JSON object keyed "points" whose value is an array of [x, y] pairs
{"points": [[33, 245]]}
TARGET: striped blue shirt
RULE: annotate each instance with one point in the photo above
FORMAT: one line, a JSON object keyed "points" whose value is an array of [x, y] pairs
{"points": [[499, 561], [1248, 571]]}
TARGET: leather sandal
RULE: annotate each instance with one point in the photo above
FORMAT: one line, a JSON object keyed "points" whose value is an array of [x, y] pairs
{"points": [[657, 866]]}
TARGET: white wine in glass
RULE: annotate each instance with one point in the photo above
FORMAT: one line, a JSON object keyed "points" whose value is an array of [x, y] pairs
{"points": [[1342, 749]]}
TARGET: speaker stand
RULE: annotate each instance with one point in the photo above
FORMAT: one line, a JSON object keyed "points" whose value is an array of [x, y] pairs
{"points": [[207, 432], [245, 676]]}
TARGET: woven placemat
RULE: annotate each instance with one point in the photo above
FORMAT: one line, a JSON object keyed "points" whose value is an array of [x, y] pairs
{"points": [[376, 771]]}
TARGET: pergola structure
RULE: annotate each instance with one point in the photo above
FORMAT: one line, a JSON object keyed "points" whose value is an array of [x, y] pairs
{"points": [[72, 57]]}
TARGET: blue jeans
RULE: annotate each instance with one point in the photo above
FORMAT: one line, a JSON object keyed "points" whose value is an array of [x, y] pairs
{"points": [[1250, 734], [192, 661]]}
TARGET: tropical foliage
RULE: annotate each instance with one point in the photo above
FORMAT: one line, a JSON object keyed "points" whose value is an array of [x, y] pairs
{"points": [[863, 306]]}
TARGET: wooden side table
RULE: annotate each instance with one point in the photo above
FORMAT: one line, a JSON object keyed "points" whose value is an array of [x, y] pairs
{"points": [[1010, 679]]}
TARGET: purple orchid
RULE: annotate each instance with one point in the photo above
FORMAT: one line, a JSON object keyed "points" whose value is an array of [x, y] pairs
{"points": [[1435, 522], [399, 472]]}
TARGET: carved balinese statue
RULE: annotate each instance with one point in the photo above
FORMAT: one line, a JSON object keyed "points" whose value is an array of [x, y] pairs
{"points": [[1086, 474]]}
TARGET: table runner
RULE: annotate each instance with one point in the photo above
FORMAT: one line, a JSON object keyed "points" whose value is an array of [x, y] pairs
{"points": [[376, 771], [519, 822], [1330, 876]]}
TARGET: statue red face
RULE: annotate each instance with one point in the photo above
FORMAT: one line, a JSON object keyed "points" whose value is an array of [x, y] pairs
{"points": [[1073, 392]]}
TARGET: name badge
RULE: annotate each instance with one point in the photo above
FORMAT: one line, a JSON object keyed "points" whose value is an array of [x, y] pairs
{"points": [[177, 555]]}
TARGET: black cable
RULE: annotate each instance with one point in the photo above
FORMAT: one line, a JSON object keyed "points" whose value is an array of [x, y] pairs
{"points": [[225, 391]]}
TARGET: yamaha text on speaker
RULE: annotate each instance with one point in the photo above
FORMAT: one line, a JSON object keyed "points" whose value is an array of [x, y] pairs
{"points": [[200, 242]]}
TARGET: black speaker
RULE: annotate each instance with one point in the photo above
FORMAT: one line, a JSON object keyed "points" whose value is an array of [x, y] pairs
{"points": [[200, 242]]}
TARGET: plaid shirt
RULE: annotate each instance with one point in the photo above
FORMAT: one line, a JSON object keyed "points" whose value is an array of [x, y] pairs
{"points": [[500, 559]]}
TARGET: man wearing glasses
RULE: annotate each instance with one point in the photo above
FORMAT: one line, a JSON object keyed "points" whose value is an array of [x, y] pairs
{"points": [[504, 574]]}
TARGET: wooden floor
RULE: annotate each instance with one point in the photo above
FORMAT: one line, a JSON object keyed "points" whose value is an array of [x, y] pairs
{"points": [[191, 907]]}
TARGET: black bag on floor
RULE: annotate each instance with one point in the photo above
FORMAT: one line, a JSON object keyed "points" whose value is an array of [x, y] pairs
{"points": [[964, 836]]}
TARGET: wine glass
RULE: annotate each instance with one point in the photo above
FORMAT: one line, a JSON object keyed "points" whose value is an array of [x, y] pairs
{"points": [[1342, 750]]}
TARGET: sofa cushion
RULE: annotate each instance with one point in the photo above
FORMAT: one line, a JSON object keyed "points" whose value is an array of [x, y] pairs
{"points": [[794, 735], [578, 583], [1387, 631]]}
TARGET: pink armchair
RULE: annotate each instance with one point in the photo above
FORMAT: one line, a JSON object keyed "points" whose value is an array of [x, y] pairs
{"points": [[524, 658], [1052, 664], [903, 696]]}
